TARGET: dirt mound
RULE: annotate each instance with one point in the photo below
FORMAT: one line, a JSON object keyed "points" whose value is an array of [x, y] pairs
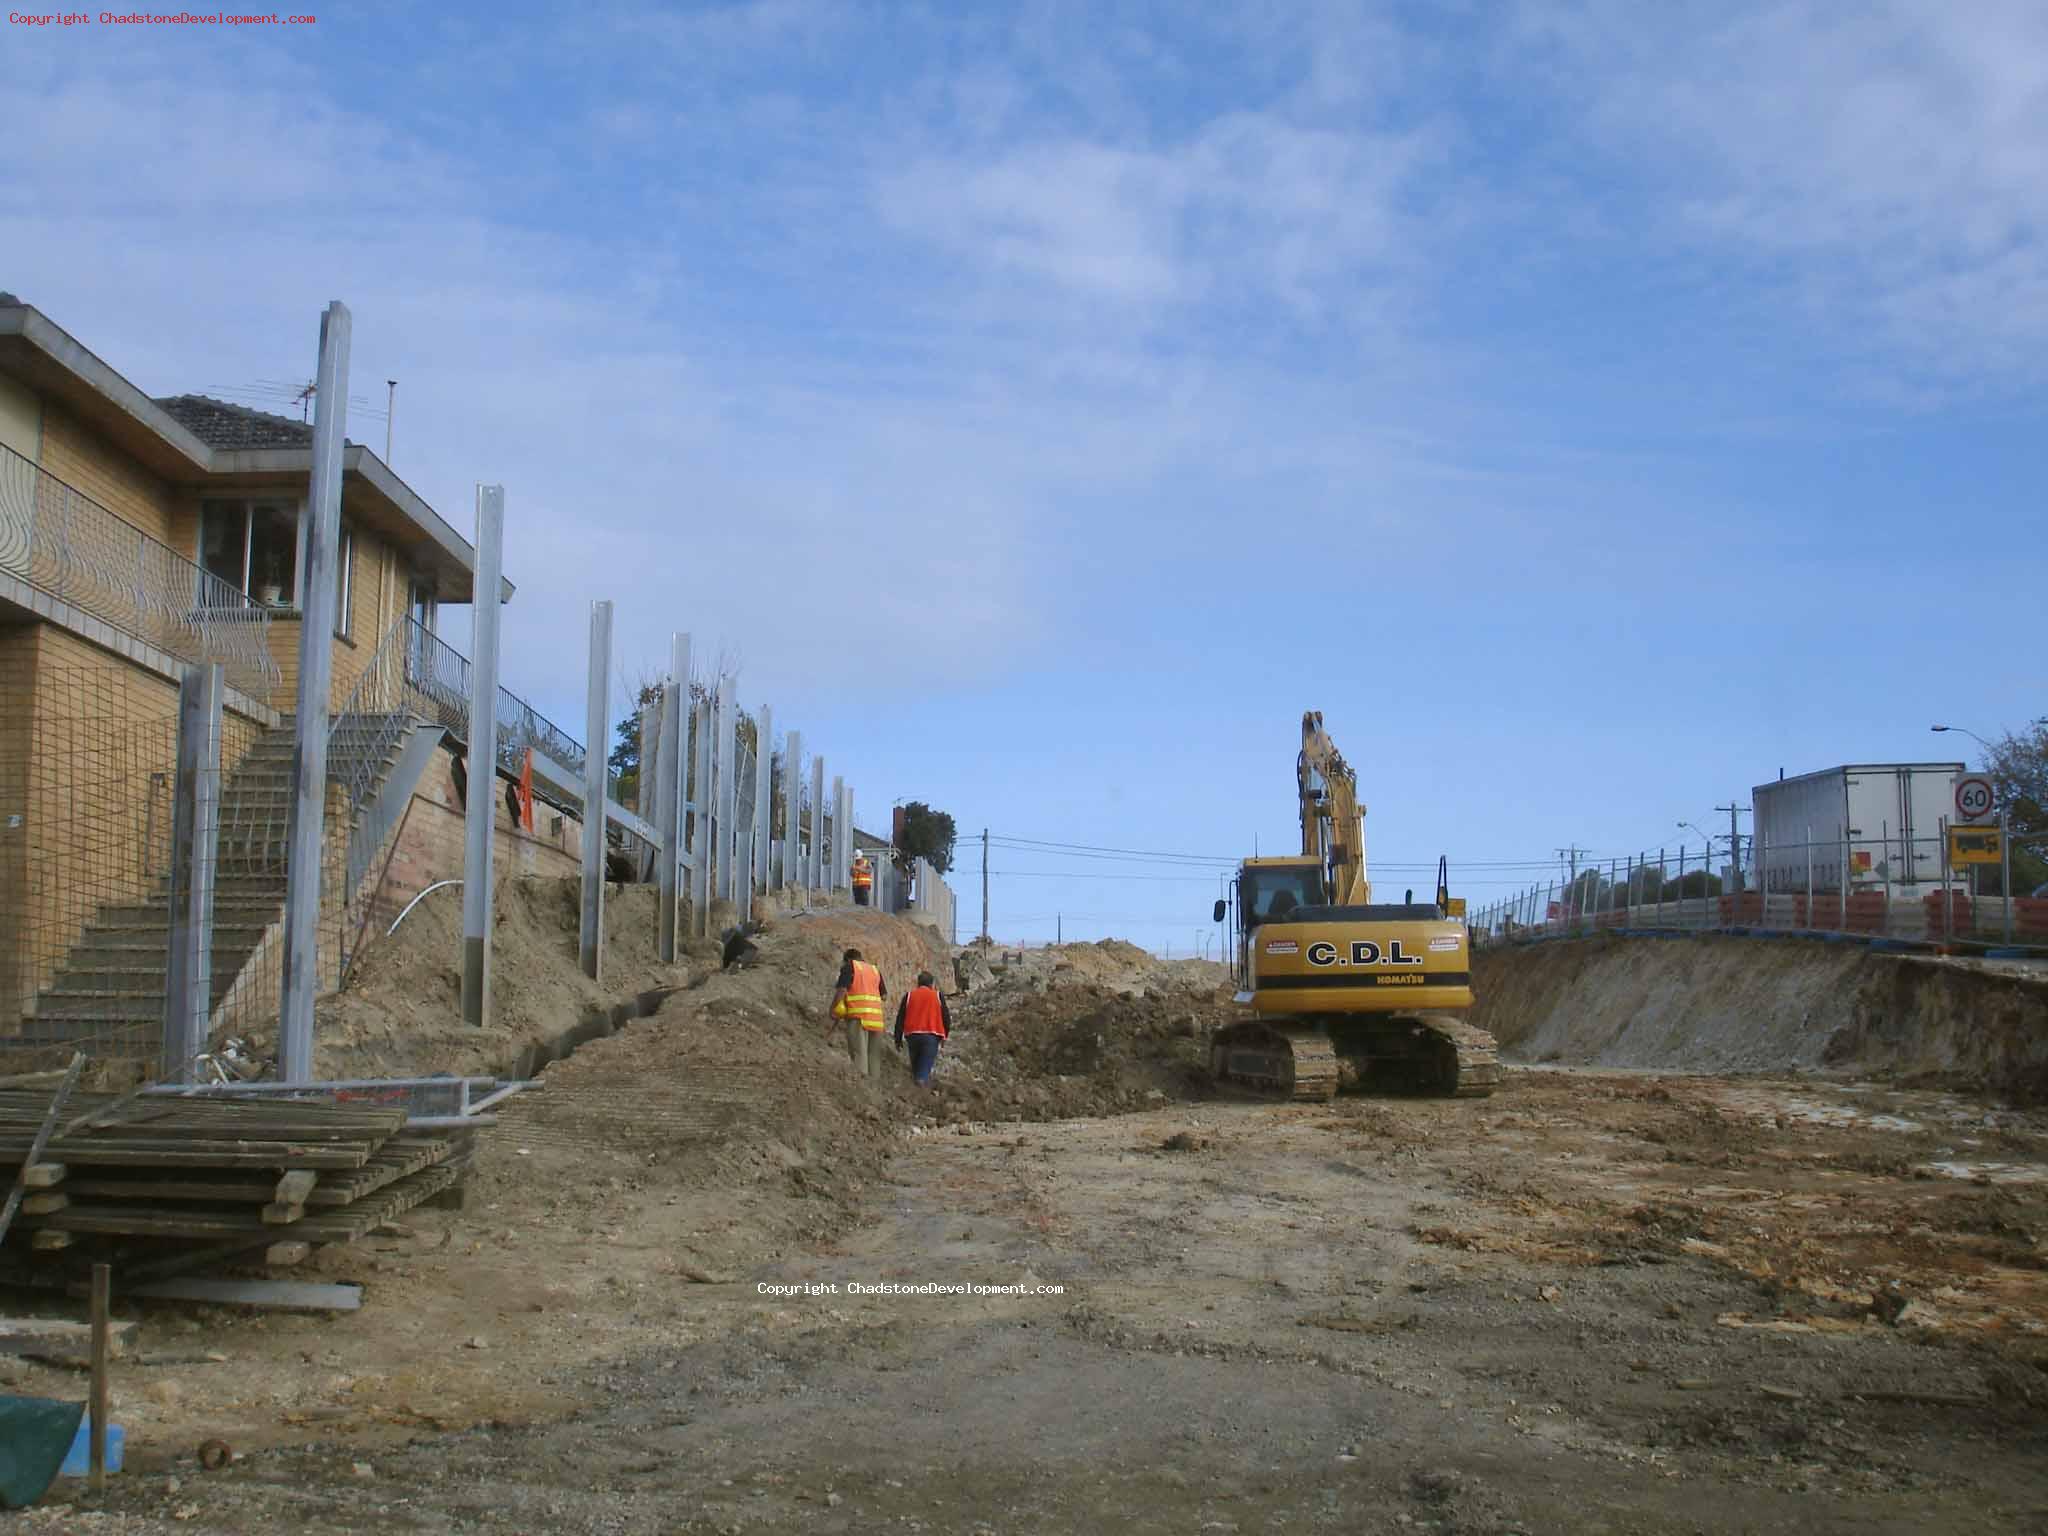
{"points": [[401, 1012], [1724, 1004], [1074, 1050]]}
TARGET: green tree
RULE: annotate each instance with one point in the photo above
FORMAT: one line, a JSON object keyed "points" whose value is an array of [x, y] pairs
{"points": [[928, 834], [624, 760], [2018, 765]]}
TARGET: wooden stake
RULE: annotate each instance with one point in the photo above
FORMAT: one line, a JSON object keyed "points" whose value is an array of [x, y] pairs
{"points": [[102, 1281]]}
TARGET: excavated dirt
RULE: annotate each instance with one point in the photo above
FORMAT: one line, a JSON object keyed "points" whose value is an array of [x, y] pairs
{"points": [[1080, 1029], [401, 1012], [1601, 1301], [1728, 1004], [1596, 1302]]}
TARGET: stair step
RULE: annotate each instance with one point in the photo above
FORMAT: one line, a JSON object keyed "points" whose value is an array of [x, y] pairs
{"points": [[105, 1032], [109, 988], [109, 925], [112, 1009]]}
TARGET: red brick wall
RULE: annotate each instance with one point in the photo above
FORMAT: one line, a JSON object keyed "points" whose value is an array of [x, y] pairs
{"points": [[429, 845]]}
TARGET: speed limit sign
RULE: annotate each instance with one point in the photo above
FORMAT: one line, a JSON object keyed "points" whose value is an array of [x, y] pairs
{"points": [[1975, 798]]}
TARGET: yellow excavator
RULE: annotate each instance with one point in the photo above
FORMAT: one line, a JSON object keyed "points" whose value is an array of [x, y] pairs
{"points": [[1343, 992]]}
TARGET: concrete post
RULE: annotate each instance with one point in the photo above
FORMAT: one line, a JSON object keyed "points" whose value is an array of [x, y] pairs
{"points": [[742, 823], [480, 813], [814, 871], [764, 804], [597, 731], [195, 847], [725, 819], [836, 870], [319, 533], [670, 792], [700, 805], [792, 808], [846, 854]]}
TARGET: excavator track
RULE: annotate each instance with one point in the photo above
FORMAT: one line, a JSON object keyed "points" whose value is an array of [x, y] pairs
{"points": [[1474, 1055], [1293, 1063]]}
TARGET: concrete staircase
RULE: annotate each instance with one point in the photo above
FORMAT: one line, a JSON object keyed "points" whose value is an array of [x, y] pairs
{"points": [[109, 992]]}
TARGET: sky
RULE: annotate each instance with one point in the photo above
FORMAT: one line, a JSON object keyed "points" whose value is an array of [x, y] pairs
{"points": [[1592, 408]]}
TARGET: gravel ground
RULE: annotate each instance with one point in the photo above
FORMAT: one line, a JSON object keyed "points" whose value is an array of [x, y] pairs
{"points": [[1598, 1302]]}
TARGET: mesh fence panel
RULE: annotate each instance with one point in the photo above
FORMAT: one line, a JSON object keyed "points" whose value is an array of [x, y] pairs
{"points": [[86, 791]]}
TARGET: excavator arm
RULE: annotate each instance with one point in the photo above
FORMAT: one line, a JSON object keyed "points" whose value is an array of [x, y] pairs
{"points": [[1332, 820]]}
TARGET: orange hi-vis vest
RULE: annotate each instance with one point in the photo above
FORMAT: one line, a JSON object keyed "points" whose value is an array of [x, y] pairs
{"points": [[863, 874], [863, 1000], [922, 1014]]}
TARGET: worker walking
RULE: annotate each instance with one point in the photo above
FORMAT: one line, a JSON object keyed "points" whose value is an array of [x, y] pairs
{"points": [[863, 881], [923, 1020], [857, 1000]]}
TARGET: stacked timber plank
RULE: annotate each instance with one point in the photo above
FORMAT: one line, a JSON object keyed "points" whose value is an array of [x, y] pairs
{"points": [[159, 1184]]}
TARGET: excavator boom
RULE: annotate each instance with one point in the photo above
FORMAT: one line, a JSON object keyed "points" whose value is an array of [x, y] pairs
{"points": [[1332, 820]]}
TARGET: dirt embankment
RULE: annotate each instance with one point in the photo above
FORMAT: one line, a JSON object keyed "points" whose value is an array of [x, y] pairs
{"points": [[401, 1012], [1732, 1004], [1078, 1029]]}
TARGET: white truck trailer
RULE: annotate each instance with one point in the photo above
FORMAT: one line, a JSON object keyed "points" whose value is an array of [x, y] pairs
{"points": [[1862, 826]]}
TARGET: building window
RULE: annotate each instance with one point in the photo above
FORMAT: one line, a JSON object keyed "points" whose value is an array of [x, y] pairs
{"points": [[251, 547], [344, 581]]}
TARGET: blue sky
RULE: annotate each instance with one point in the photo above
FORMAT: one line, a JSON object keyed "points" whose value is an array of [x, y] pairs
{"points": [[1590, 407]]}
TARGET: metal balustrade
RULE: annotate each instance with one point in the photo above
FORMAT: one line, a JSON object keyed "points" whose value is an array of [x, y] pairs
{"points": [[60, 541]]}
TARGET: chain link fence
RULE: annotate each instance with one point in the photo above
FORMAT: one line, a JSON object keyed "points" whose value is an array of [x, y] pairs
{"points": [[1907, 889]]}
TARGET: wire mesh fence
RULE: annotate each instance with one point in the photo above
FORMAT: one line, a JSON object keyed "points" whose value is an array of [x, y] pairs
{"points": [[85, 858], [1907, 888], [57, 539]]}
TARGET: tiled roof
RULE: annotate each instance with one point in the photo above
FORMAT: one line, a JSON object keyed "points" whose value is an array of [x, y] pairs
{"points": [[221, 425]]}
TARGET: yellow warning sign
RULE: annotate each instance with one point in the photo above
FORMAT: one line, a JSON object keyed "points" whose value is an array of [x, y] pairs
{"points": [[1974, 845]]}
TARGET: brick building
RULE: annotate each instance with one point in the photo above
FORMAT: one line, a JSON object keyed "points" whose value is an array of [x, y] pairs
{"points": [[139, 535]]}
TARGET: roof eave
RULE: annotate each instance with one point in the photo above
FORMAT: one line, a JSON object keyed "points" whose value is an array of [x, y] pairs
{"points": [[56, 363]]}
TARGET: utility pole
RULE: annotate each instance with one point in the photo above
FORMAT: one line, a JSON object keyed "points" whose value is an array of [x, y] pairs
{"points": [[1059, 928], [390, 410], [1735, 842], [984, 885], [1571, 881]]}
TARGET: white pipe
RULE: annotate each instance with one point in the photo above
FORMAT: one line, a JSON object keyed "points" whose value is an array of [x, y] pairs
{"points": [[423, 895]]}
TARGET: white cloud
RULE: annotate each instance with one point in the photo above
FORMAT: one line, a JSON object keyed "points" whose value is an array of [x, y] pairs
{"points": [[1251, 209], [1881, 163]]}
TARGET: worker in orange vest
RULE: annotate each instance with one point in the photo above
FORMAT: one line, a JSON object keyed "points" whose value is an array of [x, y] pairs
{"points": [[863, 881], [923, 1019], [857, 1001]]}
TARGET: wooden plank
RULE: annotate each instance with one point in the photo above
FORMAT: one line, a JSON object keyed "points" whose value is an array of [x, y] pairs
{"points": [[52, 1109], [276, 1215], [42, 1175], [279, 1255], [49, 1242], [255, 1190], [280, 1295], [104, 1111], [43, 1205], [293, 1188], [205, 1154], [57, 1339]]}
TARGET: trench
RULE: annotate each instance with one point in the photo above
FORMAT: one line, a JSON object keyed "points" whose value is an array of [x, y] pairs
{"points": [[596, 1024]]}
